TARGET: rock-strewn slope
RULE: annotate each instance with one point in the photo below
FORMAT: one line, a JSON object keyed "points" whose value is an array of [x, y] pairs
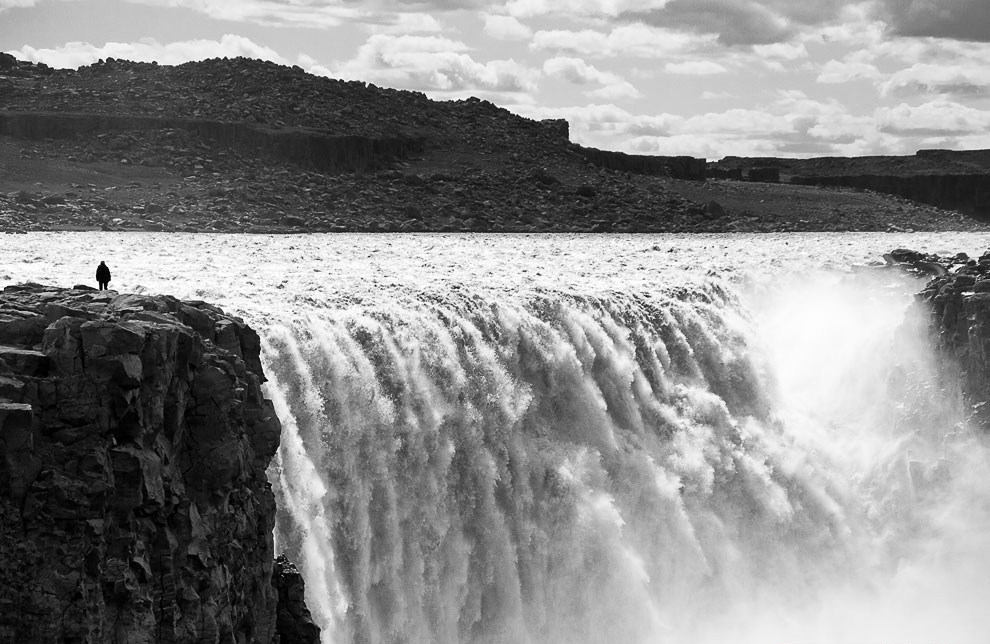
{"points": [[249, 146], [134, 439]]}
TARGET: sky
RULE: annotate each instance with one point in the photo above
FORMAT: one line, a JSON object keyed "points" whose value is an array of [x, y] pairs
{"points": [[706, 78]]}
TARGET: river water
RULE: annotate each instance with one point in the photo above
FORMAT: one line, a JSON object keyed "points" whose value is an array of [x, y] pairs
{"points": [[579, 439]]}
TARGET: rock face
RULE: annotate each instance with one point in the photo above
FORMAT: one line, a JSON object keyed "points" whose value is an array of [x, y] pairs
{"points": [[959, 302], [294, 622], [133, 500]]}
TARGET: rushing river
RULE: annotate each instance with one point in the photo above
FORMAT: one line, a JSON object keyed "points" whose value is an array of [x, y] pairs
{"points": [[587, 439]]}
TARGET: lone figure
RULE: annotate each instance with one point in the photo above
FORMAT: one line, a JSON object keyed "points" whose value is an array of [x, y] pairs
{"points": [[103, 276]]}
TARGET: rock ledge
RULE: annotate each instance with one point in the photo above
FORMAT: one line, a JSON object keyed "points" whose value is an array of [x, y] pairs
{"points": [[134, 439]]}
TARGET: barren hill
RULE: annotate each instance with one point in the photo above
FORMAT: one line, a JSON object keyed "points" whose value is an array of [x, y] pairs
{"points": [[243, 145]]}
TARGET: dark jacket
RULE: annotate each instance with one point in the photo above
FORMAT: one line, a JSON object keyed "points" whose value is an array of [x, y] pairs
{"points": [[102, 273]]}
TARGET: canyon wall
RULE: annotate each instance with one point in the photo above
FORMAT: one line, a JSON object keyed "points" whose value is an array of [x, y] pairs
{"points": [[134, 440]]}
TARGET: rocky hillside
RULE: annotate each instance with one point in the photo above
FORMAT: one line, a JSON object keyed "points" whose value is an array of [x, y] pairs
{"points": [[244, 145], [134, 505]]}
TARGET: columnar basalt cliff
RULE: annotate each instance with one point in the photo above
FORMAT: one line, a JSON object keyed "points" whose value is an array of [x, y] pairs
{"points": [[957, 180], [134, 438]]}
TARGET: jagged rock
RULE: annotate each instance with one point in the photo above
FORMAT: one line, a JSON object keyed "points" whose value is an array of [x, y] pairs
{"points": [[134, 505], [958, 305], [295, 623]]}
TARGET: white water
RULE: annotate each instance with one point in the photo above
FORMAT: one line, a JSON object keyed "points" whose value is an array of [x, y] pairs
{"points": [[685, 439]]}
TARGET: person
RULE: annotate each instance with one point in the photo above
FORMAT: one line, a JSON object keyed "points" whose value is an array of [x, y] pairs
{"points": [[103, 276]]}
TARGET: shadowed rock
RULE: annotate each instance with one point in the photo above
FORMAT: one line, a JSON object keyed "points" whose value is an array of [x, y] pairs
{"points": [[134, 505]]}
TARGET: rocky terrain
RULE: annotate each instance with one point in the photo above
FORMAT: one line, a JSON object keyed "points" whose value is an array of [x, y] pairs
{"points": [[248, 146], [959, 304], [134, 505], [949, 179]]}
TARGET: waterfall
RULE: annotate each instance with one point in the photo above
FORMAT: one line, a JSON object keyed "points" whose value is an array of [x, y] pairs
{"points": [[700, 463]]}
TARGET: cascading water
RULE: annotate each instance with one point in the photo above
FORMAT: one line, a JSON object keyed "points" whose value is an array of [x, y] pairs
{"points": [[566, 438], [681, 466]]}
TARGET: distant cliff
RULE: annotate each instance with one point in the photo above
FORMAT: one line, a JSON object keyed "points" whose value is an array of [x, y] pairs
{"points": [[955, 180], [134, 438]]}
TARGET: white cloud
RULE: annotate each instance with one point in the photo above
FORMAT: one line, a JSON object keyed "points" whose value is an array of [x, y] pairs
{"points": [[433, 63], [16, 4], [76, 54], [635, 40], [575, 70], [794, 122], [961, 78], [695, 68], [409, 23], [600, 8], [835, 71], [789, 51], [935, 118], [297, 13], [506, 28]]}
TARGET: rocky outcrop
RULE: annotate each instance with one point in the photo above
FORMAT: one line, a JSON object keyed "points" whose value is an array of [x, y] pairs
{"points": [[679, 167], [134, 438], [294, 621], [300, 146], [959, 305]]}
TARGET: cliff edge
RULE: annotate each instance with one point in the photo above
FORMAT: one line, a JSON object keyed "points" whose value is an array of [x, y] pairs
{"points": [[959, 304], [134, 439]]}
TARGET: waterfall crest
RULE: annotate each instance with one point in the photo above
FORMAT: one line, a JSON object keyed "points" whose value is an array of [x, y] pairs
{"points": [[638, 467]]}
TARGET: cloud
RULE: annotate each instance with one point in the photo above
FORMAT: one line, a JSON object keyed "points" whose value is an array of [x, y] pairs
{"points": [[296, 13], [433, 63], [709, 95], [793, 123], [694, 68], [506, 28], [16, 4], [636, 41], [577, 71], [76, 54], [593, 8], [835, 71], [935, 118], [969, 78], [953, 19], [380, 15], [409, 23], [736, 22]]}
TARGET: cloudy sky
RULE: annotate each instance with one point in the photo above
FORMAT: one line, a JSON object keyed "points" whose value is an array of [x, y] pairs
{"points": [[707, 78]]}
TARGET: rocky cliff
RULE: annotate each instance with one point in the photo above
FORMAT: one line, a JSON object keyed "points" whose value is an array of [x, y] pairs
{"points": [[134, 438], [959, 305]]}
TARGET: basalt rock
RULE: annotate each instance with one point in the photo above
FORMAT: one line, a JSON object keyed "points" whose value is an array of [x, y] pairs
{"points": [[958, 303], [134, 438]]}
